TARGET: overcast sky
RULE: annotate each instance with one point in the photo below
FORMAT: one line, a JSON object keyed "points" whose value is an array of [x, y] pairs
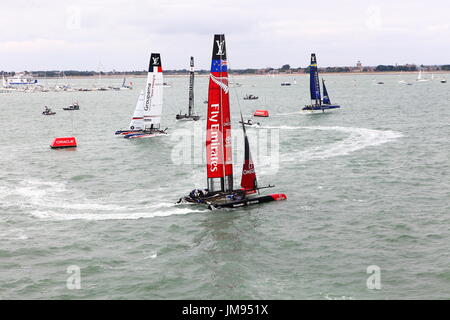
{"points": [[120, 34]]}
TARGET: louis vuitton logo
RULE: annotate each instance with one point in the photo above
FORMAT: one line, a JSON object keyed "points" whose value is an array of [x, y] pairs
{"points": [[220, 47]]}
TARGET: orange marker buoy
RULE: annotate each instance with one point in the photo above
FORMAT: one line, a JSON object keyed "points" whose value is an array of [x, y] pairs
{"points": [[261, 113], [64, 142]]}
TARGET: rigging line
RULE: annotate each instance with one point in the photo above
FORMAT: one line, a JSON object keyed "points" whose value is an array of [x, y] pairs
{"points": [[234, 88], [240, 112], [71, 117]]}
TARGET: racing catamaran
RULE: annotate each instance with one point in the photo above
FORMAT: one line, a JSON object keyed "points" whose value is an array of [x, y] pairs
{"points": [[220, 192], [190, 115], [317, 104], [152, 103]]}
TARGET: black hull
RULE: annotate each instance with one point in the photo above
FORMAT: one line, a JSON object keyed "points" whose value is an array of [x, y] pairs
{"points": [[321, 107], [220, 201], [242, 203], [187, 117], [250, 124]]}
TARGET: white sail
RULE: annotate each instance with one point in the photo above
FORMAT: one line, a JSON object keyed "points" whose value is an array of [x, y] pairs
{"points": [[137, 122], [420, 78], [153, 93]]}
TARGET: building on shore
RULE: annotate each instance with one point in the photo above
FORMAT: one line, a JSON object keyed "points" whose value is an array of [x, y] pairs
{"points": [[359, 66]]}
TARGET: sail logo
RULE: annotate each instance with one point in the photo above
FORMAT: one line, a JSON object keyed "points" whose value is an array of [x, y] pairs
{"points": [[250, 168], [250, 171], [147, 101], [155, 60], [214, 131], [150, 87], [222, 82], [220, 47]]}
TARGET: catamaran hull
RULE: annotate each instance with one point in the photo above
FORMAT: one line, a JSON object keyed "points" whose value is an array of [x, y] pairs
{"points": [[124, 132], [217, 204], [248, 201], [254, 125], [183, 117], [319, 109], [144, 135]]}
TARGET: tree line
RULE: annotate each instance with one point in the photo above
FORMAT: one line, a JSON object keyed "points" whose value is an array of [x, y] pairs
{"points": [[284, 69]]}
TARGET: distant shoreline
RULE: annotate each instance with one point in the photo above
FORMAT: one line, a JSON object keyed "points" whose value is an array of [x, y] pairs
{"points": [[115, 76]]}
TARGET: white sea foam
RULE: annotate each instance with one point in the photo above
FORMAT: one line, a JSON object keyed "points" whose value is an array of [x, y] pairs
{"points": [[152, 256], [287, 114], [55, 195], [58, 215], [13, 234], [53, 201], [358, 138]]}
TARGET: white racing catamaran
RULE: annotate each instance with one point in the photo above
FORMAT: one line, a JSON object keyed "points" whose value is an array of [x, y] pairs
{"points": [[146, 120]]}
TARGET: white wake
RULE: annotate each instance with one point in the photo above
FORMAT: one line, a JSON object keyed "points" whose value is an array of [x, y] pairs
{"points": [[357, 139], [53, 201], [52, 215]]}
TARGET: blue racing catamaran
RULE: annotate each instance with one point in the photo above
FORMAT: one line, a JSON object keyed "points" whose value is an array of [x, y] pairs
{"points": [[317, 103]]}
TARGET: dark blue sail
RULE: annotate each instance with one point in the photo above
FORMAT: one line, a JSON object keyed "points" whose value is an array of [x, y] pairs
{"points": [[316, 103], [326, 98], [314, 84]]}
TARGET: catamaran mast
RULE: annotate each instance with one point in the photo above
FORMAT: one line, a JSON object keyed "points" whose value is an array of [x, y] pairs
{"points": [[218, 126], [314, 84], [191, 87]]}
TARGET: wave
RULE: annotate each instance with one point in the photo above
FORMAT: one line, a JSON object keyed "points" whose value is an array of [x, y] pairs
{"points": [[53, 215], [287, 113], [358, 138], [13, 234], [52, 200]]}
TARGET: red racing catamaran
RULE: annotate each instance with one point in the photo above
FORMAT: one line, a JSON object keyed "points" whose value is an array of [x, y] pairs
{"points": [[220, 192]]}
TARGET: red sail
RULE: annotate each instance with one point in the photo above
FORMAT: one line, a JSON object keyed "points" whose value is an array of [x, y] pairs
{"points": [[248, 181], [218, 127]]}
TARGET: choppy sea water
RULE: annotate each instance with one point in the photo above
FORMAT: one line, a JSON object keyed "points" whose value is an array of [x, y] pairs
{"points": [[367, 185]]}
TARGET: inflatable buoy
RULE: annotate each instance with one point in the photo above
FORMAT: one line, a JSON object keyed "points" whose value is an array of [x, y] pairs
{"points": [[65, 142]]}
